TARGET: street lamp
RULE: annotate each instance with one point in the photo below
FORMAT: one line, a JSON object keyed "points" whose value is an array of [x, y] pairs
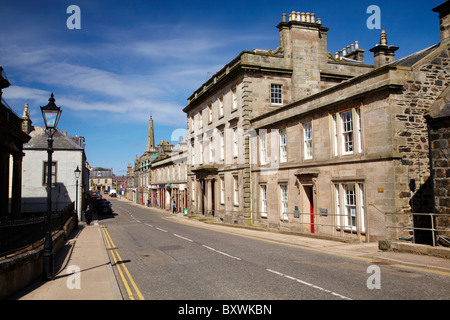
{"points": [[51, 114], [77, 176]]}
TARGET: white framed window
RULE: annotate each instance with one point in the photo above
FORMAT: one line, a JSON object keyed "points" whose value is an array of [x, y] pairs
{"points": [[283, 146], [263, 200], [222, 146], [276, 94], [335, 135], [358, 129], [201, 151], [220, 107], [222, 190], [235, 142], [350, 208], [349, 205], [284, 201], [236, 190], [307, 134], [362, 207], [211, 150], [200, 119], [263, 148], [233, 99], [347, 132], [210, 116], [45, 171]]}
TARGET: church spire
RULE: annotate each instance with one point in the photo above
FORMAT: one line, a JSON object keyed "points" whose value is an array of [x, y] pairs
{"points": [[151, 136]]}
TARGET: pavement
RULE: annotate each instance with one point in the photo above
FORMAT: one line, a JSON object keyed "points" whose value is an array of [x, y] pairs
{"points": [[85, 272]]}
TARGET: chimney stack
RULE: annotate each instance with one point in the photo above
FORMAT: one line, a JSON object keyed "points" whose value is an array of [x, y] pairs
{"points": [[303, 40], [444, 20], [383, 54], [26, 121]]}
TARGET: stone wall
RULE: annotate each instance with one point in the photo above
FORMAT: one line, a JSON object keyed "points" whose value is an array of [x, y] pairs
{"points": [[21, 270], [429, 77], [440, 142]]}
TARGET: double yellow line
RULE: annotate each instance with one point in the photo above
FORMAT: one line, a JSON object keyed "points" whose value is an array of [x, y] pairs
{"points": [[118, 262]]}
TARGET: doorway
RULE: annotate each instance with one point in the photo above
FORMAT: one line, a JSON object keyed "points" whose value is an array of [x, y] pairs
{"points": [[213, 182], [203, 195], [308, 204]]}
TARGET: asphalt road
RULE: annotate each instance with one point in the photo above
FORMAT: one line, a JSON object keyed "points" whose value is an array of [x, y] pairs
{"points": [[159, 258]]}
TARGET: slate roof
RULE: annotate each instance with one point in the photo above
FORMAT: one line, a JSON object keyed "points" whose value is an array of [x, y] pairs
{"points": [[60, 140], [410, 60]]}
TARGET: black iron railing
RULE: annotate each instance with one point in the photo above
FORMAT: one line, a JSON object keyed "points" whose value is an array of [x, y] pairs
{"points": [[27, 229]]}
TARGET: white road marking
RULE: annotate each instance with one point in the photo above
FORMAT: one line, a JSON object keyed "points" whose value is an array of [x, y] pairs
{"points": [[225, 254], [309, 284], [176, 235]]}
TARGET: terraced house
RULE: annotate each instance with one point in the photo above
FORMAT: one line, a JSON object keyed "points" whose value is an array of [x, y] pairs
{"points": [[302, 139]]}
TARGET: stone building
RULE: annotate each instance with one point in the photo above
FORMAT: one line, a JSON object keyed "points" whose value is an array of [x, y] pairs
{"points": [[142, 173], [168, 182], [158, 176], [255, 83], [68, 155], [12, 139], [130, 189], [100, 179], [438, 119], [301, 139]]}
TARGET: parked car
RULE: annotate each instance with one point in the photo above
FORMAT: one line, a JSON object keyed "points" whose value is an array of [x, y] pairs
{"points": [[105, 207]]}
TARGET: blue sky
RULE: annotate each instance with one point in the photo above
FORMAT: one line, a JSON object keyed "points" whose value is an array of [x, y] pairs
{"points": [[131, 59]]}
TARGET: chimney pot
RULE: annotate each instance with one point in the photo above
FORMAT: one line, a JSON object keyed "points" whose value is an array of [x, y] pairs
{"points": [[383, 38]]}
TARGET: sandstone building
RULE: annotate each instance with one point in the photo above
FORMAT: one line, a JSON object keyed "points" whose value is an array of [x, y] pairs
{"points": [[301, 139], [158, 178], [12, 139], [100, 179], [168, 182], [139, 191]]}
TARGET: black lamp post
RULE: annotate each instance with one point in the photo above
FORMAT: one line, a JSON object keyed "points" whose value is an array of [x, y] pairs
{"points": [[77, 176], [51, 114]]}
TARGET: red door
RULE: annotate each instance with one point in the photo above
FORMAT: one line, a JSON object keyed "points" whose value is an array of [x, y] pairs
{"points": [[309, 195]]}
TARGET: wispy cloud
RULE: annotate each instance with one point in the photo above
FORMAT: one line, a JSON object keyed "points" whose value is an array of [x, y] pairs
{"points": [[168, 71]]}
